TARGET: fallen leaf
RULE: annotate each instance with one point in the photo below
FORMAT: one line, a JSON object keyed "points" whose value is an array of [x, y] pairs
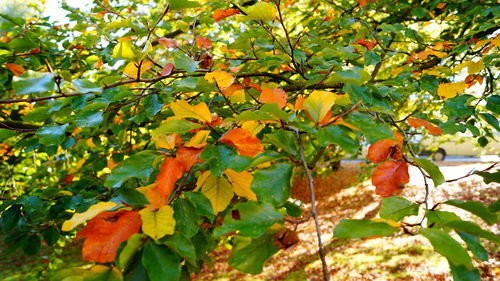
{"points": [[277, 96], [389, 177], [222, 14], [105, 232], [417, 122], [244, 141]]}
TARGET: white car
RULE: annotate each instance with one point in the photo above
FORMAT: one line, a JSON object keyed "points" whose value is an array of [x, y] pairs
{"points": [[463, 145]]}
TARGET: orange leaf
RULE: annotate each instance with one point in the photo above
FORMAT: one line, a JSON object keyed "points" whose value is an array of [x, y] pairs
{"points": [[171, 170], [167, 42], [203, 42], [229, 91], [299, 103], [363, 3], [154, 197], [167, 69], [16, 69], [188, 157], [389, 177], [222, 14], [277, 96], [417, 122], [244, 141], [384, 149], [105, 232], [367, 44]]}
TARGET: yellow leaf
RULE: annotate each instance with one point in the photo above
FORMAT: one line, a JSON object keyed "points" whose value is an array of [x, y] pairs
{"points": [[124, 49], [261, 11], [165, 141], [241, 183], [158, 223], [90, 143], [93, 211], [253, 126], [217, 189], [183, 109], [436, 53], [318, 103], [222, 78], [198, 140], [111, 164], [472, 67], [387, 221], [132, 68], [237, 96], [144, 189], [450, 90]]}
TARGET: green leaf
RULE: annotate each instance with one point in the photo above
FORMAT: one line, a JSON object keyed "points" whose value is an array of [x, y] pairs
{"points": [[273, 184], [249, 218], [432, 169], [134, 243], [172, 125], [183, 246], [477, 208], [31, 244], [130, 197], [250, 255], [139, 165], [474, 245], [440, 217], [32, 82], [371, 58], [461, 273], [493, 104], [85, 86], [495, 206], [152, 105], [182, 61], [362, 228], [202, 204], [371, 129], [396, 208], [89, 118], [492, 120], [221, 157], [444, 244], [339, 135], [350, 76], [370, 100], [52, 134], [51, 235], [182, 4], [186, 217], [5, 134], [472, 228], [457, 107], [490, 177], [160, 263], [284, 140]]}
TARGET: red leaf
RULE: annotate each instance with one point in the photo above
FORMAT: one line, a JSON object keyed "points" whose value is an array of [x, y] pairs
{"points": [[367, 44], [244, 141], [222, 14], [277, 96], [389, 177], [167, 42], [167, 69], [203, 42], [105, 232], [417, 122]]}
